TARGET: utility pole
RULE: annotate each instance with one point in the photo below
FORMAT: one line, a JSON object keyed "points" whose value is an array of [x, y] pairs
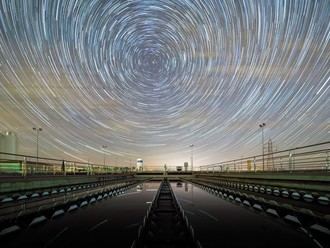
{"points": [[192, 157], [104, 147], [262, 140], [37, 129]]}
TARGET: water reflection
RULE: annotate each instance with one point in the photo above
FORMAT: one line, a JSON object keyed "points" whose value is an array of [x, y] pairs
{"points": [[139, 187], [218, 222], [186, 187], [108, 221]]}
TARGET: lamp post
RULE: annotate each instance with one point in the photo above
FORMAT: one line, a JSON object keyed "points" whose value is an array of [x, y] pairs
{"points": [[192, 157], [104, 147], [262, 145], [37, 129]]}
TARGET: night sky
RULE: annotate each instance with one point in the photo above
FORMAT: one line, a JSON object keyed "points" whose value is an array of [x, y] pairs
{"points": [[148, 78]]}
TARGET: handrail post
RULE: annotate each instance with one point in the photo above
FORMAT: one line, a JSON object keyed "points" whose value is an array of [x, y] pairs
{"points": [[254, 165], [293, 162], [23, 166], [290, 162], [63, 168]]}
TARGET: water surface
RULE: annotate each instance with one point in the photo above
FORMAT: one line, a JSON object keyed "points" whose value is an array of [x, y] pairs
{"points": [[220, 223], [112, 222]]}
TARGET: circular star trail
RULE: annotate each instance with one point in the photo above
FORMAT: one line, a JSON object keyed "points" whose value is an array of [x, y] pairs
{"points": [[149, 78]]}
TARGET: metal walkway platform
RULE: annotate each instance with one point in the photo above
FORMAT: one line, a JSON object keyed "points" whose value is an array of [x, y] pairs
{"points": [[165, 224]]}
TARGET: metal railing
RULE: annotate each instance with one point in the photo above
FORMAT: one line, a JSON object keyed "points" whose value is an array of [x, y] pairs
{"points": [[25, 165], [160, 168], [310, 157], [304, 158]]}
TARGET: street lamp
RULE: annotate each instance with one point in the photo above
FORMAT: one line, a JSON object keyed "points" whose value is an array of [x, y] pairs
{"points": [[262, 140], [37, 129], [192, 157], [104, 147]]}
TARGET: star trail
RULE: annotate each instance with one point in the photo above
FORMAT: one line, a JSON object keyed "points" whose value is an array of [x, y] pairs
{"points": [[149, 78]]}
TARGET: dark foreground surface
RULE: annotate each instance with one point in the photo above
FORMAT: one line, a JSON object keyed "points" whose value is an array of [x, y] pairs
{"points": [[219, 223], [114, 222]]}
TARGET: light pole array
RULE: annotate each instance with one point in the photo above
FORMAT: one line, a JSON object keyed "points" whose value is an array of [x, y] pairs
{"points": [[192, 157], [262, 145], [104, 147], [37, 129]]}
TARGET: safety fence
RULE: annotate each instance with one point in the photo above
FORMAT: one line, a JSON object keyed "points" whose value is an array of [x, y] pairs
{"points": [[304, 158], [25, 165]]}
